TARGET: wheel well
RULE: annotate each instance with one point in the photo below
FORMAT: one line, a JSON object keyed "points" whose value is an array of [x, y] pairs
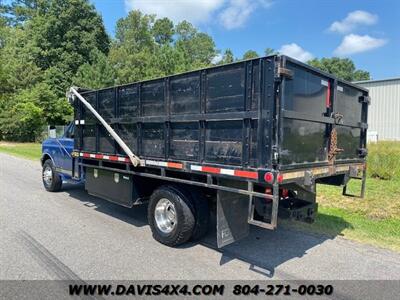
{"points": [[44, 158]]}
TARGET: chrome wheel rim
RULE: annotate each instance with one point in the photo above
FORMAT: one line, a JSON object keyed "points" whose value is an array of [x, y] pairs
{"points": [[47, 175], [165, 215]]}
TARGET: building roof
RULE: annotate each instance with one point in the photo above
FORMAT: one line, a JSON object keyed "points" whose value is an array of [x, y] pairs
{"points": [[377, 80]]}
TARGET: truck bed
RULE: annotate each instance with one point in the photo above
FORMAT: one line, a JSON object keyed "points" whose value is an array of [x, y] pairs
{"points": [[269, 113]]}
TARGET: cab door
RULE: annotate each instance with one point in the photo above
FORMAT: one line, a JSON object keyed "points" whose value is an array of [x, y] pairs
{"points": [[66, 145]]}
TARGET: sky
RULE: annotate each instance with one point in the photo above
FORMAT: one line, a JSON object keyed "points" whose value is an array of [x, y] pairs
{"points": [[366, 31]]}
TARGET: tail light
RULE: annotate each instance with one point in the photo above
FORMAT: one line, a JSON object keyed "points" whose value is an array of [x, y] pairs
{"points": [[269, 177], [280, 178]]}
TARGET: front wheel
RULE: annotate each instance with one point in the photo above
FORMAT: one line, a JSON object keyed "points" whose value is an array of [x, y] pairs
{"points": [[51, 180]]}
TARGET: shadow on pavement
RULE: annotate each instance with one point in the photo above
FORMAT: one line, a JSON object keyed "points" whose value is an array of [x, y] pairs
{"points": [[264, 250], [136, 215]]}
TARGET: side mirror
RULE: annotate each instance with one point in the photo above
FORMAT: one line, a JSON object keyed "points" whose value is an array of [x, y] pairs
{"points": [[52, 132]]}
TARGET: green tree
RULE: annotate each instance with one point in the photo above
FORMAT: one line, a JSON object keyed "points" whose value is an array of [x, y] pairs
{"points": [[19, 11], [65, 35], [135, 31], [20, 72], [198, 48], [3, 12], [163, 31], [359, 75], [343, 68], [26, 112], [21, 122], [133, 48], [40, 54], [167, 61], [250, 54], [100, 73], [227, 57], [54, 111], [146, 47], [3, 30], [270, 51]]}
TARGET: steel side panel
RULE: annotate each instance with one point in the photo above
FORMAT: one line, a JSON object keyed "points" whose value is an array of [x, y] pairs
{"points": [[208, 116]]}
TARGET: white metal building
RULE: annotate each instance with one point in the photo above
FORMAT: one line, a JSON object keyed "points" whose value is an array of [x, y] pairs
{"points": [[384, 111]]}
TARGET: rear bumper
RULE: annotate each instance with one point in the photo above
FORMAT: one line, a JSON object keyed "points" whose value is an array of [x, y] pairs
{"points": [[308, 175]]}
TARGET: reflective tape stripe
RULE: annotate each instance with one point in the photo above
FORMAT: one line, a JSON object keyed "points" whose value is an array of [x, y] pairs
{"points": [[230, 172], [195, 168], [211, 170], [247, 174], [175, 165], [227, 172], [156, 163], [106, 157]]}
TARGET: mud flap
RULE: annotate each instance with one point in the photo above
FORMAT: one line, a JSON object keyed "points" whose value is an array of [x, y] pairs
{"points": [[232, 217]]}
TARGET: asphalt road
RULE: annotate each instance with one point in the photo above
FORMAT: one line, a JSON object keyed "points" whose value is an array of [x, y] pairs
{"points": [[71, 235]]}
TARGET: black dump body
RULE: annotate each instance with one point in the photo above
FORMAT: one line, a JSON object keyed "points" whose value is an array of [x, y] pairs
{"points": [[270, 113]]}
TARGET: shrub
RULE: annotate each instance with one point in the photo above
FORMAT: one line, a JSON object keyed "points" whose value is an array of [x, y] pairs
{"points": [[23, 115], [23, 123]]}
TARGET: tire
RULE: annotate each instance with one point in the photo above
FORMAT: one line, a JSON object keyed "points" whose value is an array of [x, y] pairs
{"points": [[170, 216], [51, 180]]}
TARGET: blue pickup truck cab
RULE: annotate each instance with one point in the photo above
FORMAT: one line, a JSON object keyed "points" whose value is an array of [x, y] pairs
{"points": [[57, 160]]}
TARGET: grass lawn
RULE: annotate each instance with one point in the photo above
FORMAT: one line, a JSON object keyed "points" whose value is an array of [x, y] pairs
{"points": [[30, 151], [374, 220]]}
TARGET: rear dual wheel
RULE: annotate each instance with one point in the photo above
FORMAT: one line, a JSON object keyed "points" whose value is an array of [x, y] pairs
{"points": [[177, 215]]}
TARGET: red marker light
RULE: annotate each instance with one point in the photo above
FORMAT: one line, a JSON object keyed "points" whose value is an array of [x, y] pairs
{"points": [[269, 177], [280, 178]]}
